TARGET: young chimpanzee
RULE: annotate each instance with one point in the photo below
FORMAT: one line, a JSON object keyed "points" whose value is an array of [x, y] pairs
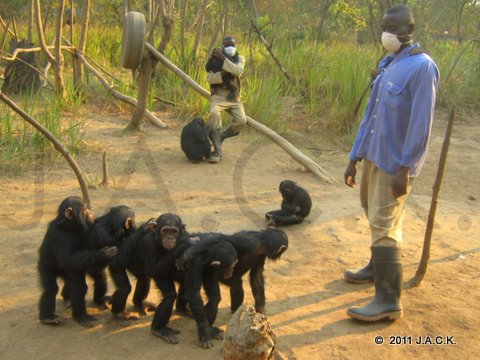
{"points": [[213, 260], [296, 205], [253, 248], [171, 240], [146, 254], [194, 140], [215, 64], [61, 255], [133, 256], [111, 229]]}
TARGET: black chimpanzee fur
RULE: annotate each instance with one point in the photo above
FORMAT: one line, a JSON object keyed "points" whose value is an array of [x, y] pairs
{"points": [[194, 140], [61, 255], [296, 205]]}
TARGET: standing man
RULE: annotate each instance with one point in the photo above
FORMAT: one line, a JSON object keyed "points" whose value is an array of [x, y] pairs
{"points": [[224, 68], [392, 141]]}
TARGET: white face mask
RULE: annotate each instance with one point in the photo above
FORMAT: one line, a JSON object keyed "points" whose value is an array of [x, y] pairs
{"points": [[390, 42], [230, 50]]}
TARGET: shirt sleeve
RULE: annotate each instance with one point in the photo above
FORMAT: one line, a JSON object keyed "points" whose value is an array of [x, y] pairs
{"points": [[214, 78], [235, 69], [423, 88], [358, 140]]}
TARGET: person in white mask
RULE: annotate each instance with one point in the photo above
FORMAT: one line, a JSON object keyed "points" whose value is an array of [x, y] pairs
{"points": [[224, 68], [392, 142]]}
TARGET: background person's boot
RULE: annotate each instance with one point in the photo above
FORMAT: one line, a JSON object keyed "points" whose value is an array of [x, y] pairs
{"points": [[227, 133], [361, 276], [387, 273], [214, 136]]}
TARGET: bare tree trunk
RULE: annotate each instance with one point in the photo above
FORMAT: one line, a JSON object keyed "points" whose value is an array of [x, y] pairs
{"points": [[323, 15], [59, 85], [183, 13], [56, 143], [126, 6], [79, 70], [220, 27], [202, 10], [373, 22], [146, 69], [30, 22]]}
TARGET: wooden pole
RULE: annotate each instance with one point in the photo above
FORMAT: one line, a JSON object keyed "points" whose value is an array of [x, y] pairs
{"points": [[422, 267]]}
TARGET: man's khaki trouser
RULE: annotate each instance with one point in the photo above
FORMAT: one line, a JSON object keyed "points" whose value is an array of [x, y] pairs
{"points": [[384, 212], [219, 105]]}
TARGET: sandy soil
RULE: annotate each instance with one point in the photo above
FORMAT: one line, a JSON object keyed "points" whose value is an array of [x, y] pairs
{"points": [[306, 296]]}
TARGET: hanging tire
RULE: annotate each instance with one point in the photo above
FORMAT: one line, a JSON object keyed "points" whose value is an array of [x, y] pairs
{"points": [[133, 40]]}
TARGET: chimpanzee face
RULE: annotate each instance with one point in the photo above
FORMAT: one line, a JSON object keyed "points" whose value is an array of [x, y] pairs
{"points": [[88, 215], [169, 236]]}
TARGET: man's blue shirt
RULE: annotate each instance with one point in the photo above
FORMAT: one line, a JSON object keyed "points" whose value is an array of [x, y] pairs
{"points": [[397, 124]]}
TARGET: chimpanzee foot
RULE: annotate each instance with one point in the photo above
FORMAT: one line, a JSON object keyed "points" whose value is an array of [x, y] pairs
{"points": [[54, 320], [146, 306], [124, 318], [217, 333], [167, 334], [87, 321]]}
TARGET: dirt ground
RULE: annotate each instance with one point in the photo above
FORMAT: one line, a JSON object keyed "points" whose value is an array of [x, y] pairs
{"points": [[306, 295]]}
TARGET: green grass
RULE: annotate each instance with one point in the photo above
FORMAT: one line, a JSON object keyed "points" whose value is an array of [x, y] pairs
{"points": [[328, 81]]}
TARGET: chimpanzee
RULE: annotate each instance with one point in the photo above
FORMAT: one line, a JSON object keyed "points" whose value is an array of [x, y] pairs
{"points": [[111, 229], [253, 247], [215, 64], [144, 254], [296, 205], [61, 255], [194, 140], [171, 239], [214, 259]]}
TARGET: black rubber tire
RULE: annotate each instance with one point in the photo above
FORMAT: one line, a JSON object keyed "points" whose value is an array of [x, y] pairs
{"points": [[133, 40]]}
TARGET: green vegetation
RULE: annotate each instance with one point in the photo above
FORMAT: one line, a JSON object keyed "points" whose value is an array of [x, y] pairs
{"points": [[329, 62]]}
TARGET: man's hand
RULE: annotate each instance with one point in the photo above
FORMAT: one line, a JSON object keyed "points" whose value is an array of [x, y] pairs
{"points": [[401, 182], [350, 172], [218, 52]]}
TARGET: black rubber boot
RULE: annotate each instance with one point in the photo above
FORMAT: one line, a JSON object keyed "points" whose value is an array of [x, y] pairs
{"points": [[228, 133], [214, 136], [361, 276], [387, 273]]}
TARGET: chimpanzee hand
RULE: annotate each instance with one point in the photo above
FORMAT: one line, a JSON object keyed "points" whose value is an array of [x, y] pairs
{"points": [[218, 52], [183, 261], [109, 252]]}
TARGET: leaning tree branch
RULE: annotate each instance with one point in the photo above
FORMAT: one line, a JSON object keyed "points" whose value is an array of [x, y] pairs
{"points": [[422, 267], [269, 48], [283, 143], [56, 144], [116, 94]]}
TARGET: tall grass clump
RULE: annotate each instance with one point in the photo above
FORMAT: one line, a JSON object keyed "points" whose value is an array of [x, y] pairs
{"points": [[21, 144]]}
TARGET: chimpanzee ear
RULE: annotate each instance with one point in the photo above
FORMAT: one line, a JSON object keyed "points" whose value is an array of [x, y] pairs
{"points": [[215, 263], [281, 249], [128, 223], [69, 214], [152, 226]]}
